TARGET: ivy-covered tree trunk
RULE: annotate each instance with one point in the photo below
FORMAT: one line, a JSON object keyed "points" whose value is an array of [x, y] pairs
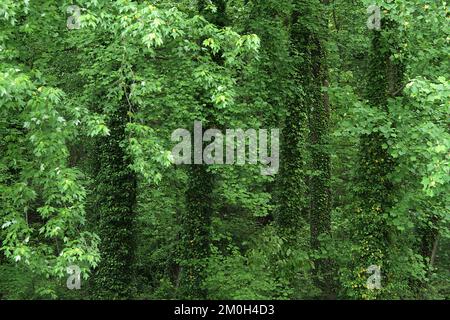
{"points": [[375, 188], [115, 192], [308, 111], [319, 185], [196, 222], [319, 119], [293, 210]]}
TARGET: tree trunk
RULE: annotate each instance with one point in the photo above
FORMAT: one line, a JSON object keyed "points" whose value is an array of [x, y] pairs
{"points": [[197, 220], [115, 191]]}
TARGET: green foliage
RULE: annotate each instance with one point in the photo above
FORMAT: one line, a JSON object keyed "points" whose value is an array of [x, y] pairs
{"points": [[86, 173]]}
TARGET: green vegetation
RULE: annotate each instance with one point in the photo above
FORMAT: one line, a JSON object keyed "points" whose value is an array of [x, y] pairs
{"points": [[91, 92]]}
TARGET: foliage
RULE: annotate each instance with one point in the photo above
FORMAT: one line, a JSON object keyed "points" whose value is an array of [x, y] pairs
{"points": [[86, 172]]}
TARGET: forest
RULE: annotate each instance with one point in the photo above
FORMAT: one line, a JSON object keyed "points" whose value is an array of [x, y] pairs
{"points": [[224, 150]]}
